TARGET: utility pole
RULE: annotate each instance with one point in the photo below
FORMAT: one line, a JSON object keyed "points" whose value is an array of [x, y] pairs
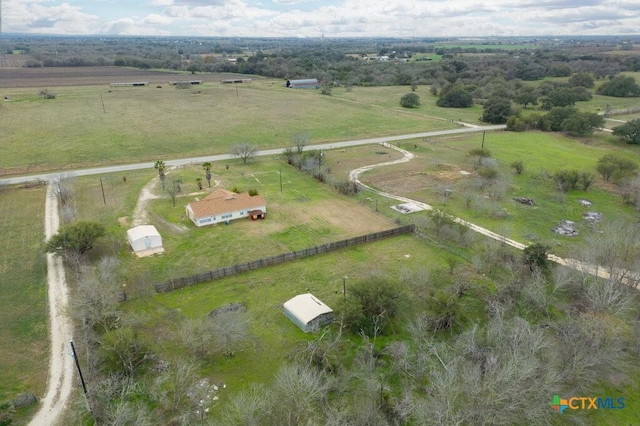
{"points": [[344, 287], [280, 179], [75, 357], [483, 139], [104, 200]]}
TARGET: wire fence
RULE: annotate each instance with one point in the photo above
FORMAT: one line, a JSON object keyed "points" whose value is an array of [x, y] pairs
{"points": [[177, 283]]}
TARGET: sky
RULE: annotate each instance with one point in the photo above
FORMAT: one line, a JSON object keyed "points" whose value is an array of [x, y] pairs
{"points": [[328, 18]]}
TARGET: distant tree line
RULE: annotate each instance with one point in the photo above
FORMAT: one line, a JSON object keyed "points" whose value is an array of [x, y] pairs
{"points": [[336, 61]]}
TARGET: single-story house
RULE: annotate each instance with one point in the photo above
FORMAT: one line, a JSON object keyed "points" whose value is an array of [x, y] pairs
{"points": [[307, 83], [145, 240], [223, 206], [308, 312]]}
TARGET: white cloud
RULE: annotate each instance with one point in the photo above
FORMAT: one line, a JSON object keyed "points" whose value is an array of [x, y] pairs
{"points": [[128, 26], [155, 19], [37, 17], [339, 18]]}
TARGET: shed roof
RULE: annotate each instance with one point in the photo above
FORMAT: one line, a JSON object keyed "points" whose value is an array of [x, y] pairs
{"points": [[142, 231], [222, 201], [306, 307], [304, 81]]}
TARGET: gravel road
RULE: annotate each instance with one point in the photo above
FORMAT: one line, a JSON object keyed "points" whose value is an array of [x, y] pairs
{"points": [[61, 368]]}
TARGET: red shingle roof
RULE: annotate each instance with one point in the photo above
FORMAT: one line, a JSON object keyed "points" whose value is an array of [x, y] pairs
{"points": [[222, 201]]}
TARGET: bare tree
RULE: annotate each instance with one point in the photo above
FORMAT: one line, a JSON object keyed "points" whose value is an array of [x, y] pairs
{"points": [[99, 292], [196, 336], [64, 188], [230, 331], [115, 402], [300, 140], [502, 359], [322, 352], [171, 387], [68, 213], [589, 350], [250, 407], [298, 393], [244, 151], [173, 188], [614, 247]]}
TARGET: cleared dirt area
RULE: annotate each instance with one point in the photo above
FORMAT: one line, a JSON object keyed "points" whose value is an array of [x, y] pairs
{"points": [[95, 76], [414, 176]]}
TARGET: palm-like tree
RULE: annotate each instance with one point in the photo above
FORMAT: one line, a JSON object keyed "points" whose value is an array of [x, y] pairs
{"points": [[160, 167], [207, 168]]}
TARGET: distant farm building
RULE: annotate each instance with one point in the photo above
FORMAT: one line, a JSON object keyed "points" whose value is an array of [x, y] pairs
{"points": [[308, 83], [145, 240], [236, 80], [308, 312], [224, 206], [130, 83], [186, 82]]}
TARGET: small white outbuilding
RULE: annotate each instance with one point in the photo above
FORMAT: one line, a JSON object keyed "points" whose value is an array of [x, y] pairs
{"points": [[145, 240], [308, 312]]}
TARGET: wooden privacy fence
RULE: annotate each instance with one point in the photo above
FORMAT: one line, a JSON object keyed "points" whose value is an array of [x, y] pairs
{"points": [[176, 283]]}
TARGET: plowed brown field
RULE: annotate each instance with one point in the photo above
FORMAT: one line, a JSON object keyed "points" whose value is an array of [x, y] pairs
{"points": [[95, 76]]}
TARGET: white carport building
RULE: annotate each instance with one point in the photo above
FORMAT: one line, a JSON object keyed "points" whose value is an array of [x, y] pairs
{"points": [[308, 312], [145, 240]]}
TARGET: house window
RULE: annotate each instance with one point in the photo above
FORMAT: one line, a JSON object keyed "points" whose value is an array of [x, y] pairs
{"points": [[226, 216]]}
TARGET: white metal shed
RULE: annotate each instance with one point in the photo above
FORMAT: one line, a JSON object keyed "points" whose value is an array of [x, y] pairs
{"points": [[145, 240], [308, 312]]}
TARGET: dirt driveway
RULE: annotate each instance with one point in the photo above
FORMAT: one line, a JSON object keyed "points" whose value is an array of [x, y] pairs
{"points": [[61, 364]]}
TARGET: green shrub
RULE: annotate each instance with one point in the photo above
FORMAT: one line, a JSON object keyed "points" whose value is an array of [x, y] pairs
{"points": [[410, 100]]}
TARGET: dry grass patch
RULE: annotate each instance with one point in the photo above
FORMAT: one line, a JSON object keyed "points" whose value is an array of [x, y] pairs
{"points": [[23, 304]]}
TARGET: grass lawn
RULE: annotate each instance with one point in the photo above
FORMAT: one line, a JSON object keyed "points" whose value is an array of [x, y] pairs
{"points": [[264, 291], [439, 162], [147, 123], [296, 220], [24, 354], [304, 214], [388, 97]]}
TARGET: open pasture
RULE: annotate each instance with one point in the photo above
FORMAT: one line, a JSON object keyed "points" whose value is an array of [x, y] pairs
{"points": [[23, 306], [443, 164], [99, 125]]}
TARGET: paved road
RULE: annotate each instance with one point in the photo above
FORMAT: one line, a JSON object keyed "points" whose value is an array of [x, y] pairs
{"points": [[223, 157]]}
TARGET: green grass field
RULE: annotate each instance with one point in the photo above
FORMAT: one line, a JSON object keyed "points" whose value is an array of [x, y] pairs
{"points": [[264, 291], [24, 352], [147, 123], [304, 214], [438, 164], [388, 98]]}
